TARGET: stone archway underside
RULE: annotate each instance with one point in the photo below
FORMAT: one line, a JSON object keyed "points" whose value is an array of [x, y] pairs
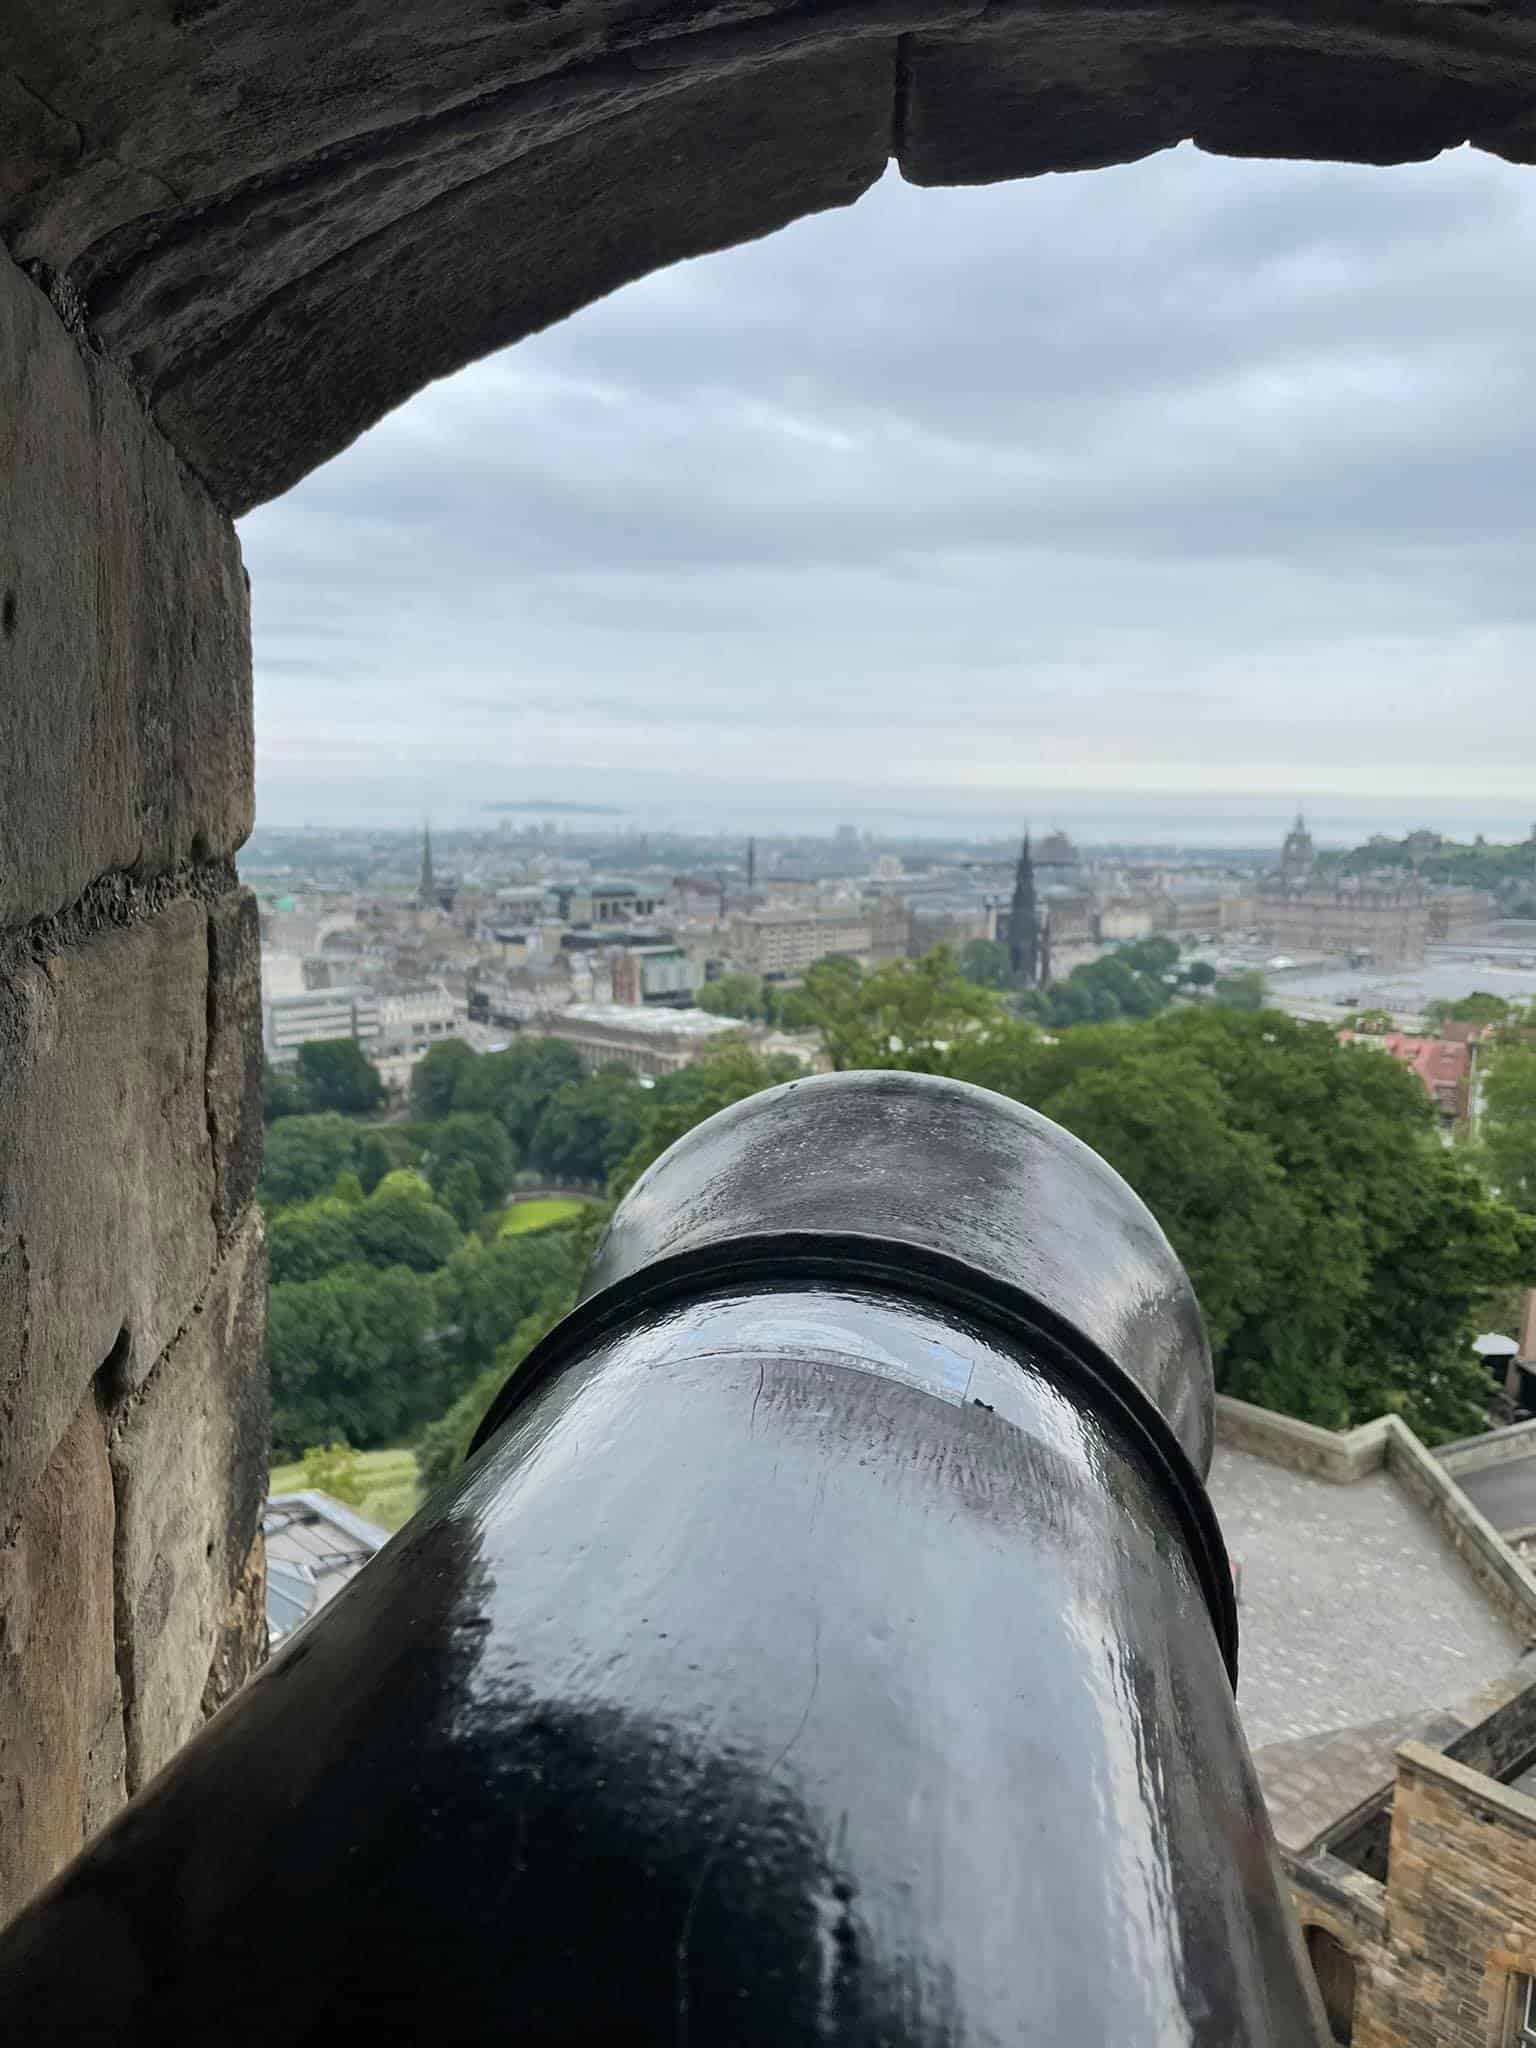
{"points": [[281, 220]]}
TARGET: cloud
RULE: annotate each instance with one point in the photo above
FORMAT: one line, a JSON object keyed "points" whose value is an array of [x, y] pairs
{"points": [[1191, 475]]}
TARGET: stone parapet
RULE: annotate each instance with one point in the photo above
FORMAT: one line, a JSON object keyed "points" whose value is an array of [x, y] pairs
{"points": [[1345, 1456], [1342, 1456], [1493, 1447]]}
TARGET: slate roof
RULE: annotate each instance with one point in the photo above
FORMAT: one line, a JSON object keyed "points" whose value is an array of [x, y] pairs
{"points": [[314, 1546]]}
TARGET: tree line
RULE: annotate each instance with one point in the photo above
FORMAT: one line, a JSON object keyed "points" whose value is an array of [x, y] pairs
{"points": [[1342, 1253]]}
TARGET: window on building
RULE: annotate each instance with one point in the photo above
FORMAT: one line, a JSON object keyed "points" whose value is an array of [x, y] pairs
{"points": [[1334, 1969], [1523, 2034]]}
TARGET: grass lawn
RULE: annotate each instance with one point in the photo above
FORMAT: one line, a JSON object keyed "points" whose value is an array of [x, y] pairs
{"points": [[540, 1214], [392, 1485]]}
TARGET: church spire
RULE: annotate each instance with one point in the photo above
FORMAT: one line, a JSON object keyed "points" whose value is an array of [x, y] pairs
{"points": [[1024, 923], [426, 888]]}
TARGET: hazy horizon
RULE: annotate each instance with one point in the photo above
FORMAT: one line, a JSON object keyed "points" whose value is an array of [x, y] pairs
{"points": [[1192, 818]]}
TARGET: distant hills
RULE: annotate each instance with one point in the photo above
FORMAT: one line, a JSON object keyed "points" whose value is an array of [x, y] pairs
{"points": [[573, 810]]}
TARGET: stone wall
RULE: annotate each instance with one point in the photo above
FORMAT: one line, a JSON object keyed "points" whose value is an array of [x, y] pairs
{"points": [[1461, 1911], [1493, 1447], [1439, 1950], [1339, 1456], [133, 1427], [1345, 1456]]}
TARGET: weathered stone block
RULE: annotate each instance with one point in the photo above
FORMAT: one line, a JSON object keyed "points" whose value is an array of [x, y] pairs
{"points": [[234, 1052], [125, 695], [189, 1459], [106, 1195], [241, 1646], [61, 1741]]}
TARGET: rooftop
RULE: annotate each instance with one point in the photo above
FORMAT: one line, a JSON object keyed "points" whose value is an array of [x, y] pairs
{"points": [[314, 1546], [1354, 1608], [653, 1023]]}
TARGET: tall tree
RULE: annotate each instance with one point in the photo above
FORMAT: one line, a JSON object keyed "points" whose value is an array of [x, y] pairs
{"points": [[480, 1142], [335, 1073], [485, 1290], [436, 1076], [682, 1100], [1508, 1127], [905, 1015], [310, 1239], [350, 1359], [401, 1224], [304, 1155], [281, 1093], [1339, 1250], [459, 1193], [588, 1126], [985, 961]]}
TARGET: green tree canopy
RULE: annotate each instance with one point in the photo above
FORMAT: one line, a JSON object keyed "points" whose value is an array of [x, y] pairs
{"points": [[350, 1359], [904, 1015], [1508, 1127], [374, 1159], [435, 1076], [737, 995], [400, 1224], [1478, 1008], [485, 1290], [480, 1142], [1339, 1250], [281, 1093], [1243, 991], [304, 1155], [459, 1192], [985, 962], [334, 1073], [684, 1099], [310, 1239], [444, 1444], [517, 1085], [588, 1126]]}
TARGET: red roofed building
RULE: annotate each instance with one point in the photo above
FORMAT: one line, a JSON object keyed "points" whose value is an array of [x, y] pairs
{"points": [[1444, 1065]]}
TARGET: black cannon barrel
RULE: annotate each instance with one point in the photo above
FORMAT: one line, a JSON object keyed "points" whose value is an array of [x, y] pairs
{"points": [[829, 1642]]}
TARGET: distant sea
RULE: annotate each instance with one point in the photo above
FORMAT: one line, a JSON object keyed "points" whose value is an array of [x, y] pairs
{"points": [[1193, 819]]}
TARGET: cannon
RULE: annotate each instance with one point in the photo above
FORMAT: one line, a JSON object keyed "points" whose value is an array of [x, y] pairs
{"points": [[828, 1640]]}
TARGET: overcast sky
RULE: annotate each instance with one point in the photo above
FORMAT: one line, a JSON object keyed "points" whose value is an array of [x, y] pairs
{"points": [[1195, 475]]}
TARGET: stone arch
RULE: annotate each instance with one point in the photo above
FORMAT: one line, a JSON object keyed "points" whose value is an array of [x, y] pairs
{"points": [[231, 237], [283, 222], [1335, 1970]]}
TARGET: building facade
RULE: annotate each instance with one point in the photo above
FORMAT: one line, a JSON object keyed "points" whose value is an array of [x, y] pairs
{"points": [[1459, 914], [1391, 925], [660, 974], [646, 1041], [412, 1021], [291, 1021], [779, 942]]}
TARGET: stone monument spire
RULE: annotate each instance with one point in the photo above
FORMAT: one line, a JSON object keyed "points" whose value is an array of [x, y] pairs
{"points": [[426, 888], [1024, 923]]}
